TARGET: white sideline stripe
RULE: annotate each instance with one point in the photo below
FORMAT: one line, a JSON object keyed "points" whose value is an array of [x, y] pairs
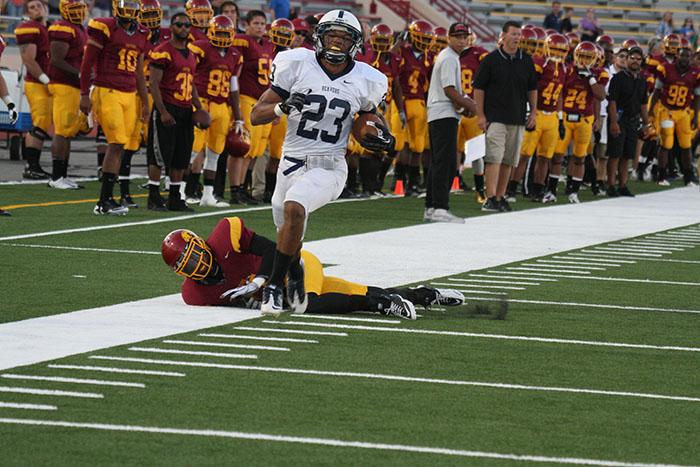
{"points": [[689, 240], [412, 379], [563, 261], [226, 344], [116, 370], [60, 379], [668, 241], [290, 331], [588, 257], [593, 305], [75, 248], [482, 292], [687, 261], [513, 278], [558, 264], [275, 339], [192, 352], [542, 269], [325, 442], [617, 279], [506, 287], [654, 245], [490, 282], [639, 249], [530, 274], [684, 234], [15, 405], [619, 251], [552, 340], [51, 392], [616, 252], [347, 318]]}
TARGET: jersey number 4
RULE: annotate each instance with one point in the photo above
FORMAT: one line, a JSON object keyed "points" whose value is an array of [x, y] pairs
{"points": [[318, 114]]}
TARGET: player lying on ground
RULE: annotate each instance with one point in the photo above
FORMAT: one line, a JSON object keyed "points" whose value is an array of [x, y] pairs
{"points": [[231, 266]]}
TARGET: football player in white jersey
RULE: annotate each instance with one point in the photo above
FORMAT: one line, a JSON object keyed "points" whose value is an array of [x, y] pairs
{"points": [[320, 91]]}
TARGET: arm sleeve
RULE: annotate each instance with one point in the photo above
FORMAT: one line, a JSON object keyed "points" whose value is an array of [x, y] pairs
{"points": [[448, 72], [377, 87], [159, 59], [483, 74], [283, 74], [98, 31], [61, 33], [26, 34]]}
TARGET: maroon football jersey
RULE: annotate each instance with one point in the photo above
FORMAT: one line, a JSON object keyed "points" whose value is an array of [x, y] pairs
{"points": [[155, 38], [117, 62], [578, 98], [387, 63], [230, 243], [257, 61], [678, 89], [75, 36], [550, 82], [214, 71], [33, 32], [469, 61], [414, 74], [179, 66], [197, 34]]}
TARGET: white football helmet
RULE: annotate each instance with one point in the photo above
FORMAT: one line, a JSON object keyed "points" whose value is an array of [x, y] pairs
{"points": [[338, 20]]}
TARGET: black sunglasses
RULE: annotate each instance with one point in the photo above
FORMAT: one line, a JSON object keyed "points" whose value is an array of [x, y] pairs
{"points": [[182, 25]]}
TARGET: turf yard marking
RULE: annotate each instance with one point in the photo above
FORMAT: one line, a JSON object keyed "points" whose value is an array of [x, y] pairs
{"points": [[51, 392], [568, 261], [324, 442], [275, 339], [621, 252], [612, 279], [593, 305], [684, 234], [686, 261], [640, 249], [504, 287], [543, 269], [534, 275], [551, 340], [192, 352], [667, 241], [541, 264], [59, 379], [226, 344], [116, 370], [15, 405], [346, 318], [483, 292], [513, 278], [456, 279], [689, 240], [290, 331], [588, 257], [654, 245], [75, 248], [412, 379]]}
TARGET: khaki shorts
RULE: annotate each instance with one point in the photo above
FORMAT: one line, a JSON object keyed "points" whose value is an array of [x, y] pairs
{"points": [[503, 144]]}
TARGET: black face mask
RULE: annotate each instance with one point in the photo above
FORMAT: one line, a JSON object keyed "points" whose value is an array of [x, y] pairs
{"points": [[215, 276]]}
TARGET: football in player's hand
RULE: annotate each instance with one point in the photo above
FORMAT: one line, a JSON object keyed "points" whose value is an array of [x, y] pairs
{"points": [[201, 119], [237, 144], [364, 124]]}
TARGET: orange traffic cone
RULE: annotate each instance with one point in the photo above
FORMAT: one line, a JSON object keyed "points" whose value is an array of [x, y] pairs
{"points": [[455, 184], [398, 188]]}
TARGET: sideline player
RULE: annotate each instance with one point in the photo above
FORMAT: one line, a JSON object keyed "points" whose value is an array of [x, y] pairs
{"points": [[320, 92], [33, 39], [115, 52], [67, 38], [230, 266], [216, 80]]}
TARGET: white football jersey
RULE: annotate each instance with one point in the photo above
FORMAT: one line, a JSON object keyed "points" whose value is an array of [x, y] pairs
{"points": [[323, 126]]}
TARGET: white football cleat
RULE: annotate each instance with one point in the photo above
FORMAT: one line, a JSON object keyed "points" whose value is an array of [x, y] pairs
{"points": [[210, 201], [549, 197], [400, 307], [443, 215], [573, 198], [63, 184], [271, 304], [428, 214]]}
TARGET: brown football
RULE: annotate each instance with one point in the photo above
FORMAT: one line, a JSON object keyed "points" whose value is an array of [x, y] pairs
{"points": [[237, 145], [364, 124], [201, 119]]}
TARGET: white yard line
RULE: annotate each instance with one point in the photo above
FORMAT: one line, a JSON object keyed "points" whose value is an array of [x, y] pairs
{"points": [[325, 442], [484, 281], [543, 269], [15, 405], [614, 279], [60, 379], [226, 344], [684, 235], [653, 245], [482, 292], [192, 352], [639, 249], [256, 338], [623, 252], [588, 257], [535, 275], [568, 261], [50, 392], [290, 331], [689, 240], [549, 340], [347, 318], [411, 379], [116, 370], [593, 305], [666, 241], [75, 248], [512, 278], [558, 264], [504, 287]]}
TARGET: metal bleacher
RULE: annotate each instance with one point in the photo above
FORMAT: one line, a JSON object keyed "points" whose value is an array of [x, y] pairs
{"points": [[621, 19]]}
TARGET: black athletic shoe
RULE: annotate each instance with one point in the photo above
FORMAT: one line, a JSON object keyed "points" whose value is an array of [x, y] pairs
{"points": [[296, 294], [35, 173], [127, 201], [612, 192], [491, 205], [248, 199], [267, 197], [156, 204], [427, 296], [237, 198], [624, 191], [110, 207], [271, 301], [504, 206], [178, 205], [4, 213]]}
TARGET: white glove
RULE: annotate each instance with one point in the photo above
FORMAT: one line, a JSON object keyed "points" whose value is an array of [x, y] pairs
{"points": [[239, 126], [14, 116], [246, 290]]}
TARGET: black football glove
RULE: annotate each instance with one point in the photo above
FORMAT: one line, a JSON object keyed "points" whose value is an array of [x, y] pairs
{"points": [[295, 101], [562, 129], [585, 73], [382, 141], [12, 113]]}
